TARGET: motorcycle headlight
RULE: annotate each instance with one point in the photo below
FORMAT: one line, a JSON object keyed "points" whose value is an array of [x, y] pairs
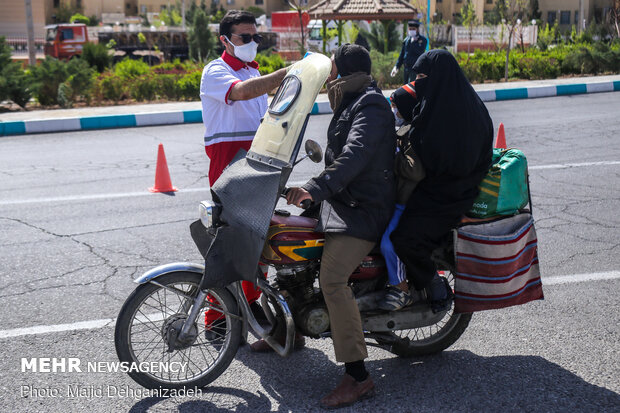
{"points": [[209, 213]]}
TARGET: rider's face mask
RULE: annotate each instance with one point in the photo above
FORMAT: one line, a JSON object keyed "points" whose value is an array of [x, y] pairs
{"points": [[420, 86], [245, 52], [412, 32]]}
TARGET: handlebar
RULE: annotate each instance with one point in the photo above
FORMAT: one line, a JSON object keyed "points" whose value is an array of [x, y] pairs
{"points": [[305, 204]]}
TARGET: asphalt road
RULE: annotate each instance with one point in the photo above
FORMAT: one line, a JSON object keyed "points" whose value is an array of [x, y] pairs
{"points": [[78, 225]]}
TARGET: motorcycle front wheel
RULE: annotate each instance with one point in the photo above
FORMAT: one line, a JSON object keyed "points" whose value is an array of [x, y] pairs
{"points": [[147, 322], [433, 339]]}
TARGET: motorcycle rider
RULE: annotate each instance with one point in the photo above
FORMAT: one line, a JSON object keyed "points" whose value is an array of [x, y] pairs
{"points": [[356, 192], [397, 295], [452, 134]]}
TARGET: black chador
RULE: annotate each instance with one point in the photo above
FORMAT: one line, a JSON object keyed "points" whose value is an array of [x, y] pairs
{"points": [[452, 133]]}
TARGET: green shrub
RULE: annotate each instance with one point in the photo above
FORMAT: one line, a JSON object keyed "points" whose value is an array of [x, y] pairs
{"points": [[592, 59], [111, 87], [189, 85], [46, 77], [144, 87], [167, 87], [269, 62], [382, 66], [129, 68], [256, 11], [79, 18], [97, 56], [14, 84], [65, 95], [80, 78]]}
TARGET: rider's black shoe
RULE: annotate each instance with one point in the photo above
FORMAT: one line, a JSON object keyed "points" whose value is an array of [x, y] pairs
{"points": [[439, 294]]}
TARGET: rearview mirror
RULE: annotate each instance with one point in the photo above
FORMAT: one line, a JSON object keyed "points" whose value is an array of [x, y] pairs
{"points": [[314, 151]]}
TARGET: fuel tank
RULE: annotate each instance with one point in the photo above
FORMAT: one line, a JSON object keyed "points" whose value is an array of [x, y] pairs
{"points": [[292, 240]]}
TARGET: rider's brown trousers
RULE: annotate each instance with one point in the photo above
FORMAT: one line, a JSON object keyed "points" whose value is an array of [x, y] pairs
{"points": [[341, 255]]}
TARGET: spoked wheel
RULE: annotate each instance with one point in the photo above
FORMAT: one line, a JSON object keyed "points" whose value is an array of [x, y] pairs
{"points": [[432, 339], [148, 325]]}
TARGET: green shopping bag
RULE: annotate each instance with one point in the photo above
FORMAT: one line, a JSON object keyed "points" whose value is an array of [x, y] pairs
{"points": [[503, 191]]}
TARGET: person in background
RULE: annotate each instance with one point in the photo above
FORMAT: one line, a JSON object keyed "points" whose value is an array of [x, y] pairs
{"points": [[413, 47], [356, 193], [397, 295]]}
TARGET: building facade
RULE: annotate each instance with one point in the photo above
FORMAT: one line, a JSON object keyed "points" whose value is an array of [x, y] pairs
{"points": [[13, 17], [564, 12]]}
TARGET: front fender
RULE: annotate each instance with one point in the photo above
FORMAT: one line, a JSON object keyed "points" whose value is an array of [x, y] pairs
{"points": [[168, 268]]}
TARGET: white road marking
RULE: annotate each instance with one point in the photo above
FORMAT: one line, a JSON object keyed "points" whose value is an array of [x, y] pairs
{"points": [[93, 197], [577, 278], [95, 324], [573, 165]]}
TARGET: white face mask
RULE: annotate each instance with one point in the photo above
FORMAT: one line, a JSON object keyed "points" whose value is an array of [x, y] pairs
{"points": [[412, 33], [245, 52]]}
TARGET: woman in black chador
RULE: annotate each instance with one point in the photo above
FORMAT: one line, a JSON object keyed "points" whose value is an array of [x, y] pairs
{"points": [[452, 134]]}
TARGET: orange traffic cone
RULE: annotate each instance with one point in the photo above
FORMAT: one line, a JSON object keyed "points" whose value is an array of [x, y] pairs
{"points": [[500, 142], [162, 176]]}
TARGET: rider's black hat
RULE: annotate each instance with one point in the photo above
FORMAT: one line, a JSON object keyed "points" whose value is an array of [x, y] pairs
{"points": [[351, 58]]}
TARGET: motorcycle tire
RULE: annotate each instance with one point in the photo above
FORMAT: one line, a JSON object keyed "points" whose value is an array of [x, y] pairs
{"points": [[221, 349], [434, 344], [430, 340]]}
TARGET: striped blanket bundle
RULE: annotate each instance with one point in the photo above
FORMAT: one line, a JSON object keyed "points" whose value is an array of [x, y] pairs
{"points": [[496, 264]]}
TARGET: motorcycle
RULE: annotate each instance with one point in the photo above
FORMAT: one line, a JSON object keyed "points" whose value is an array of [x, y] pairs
{"points": [[239, 233]]}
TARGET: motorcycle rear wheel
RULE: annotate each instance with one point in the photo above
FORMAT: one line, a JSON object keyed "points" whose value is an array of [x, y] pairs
{"points": [[149, 312], [425, 341]]}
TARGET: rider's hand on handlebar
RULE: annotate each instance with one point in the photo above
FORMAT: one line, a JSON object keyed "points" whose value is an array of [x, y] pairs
{"points": [[295, 196]]}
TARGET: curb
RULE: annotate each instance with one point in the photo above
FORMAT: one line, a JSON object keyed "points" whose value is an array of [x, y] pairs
{"points": [[319, 108]]}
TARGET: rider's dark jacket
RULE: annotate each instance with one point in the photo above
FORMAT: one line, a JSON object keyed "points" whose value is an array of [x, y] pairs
{"points": [[358, 184]]}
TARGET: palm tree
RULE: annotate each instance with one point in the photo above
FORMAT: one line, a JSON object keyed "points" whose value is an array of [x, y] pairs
{"points": [[377, 36]]}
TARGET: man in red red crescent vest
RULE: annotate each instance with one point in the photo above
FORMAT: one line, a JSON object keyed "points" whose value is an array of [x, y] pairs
{"points": [[234, 99]]}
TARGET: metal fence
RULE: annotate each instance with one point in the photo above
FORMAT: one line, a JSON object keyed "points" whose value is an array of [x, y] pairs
{"points": [[489, 37], [19, 45]]}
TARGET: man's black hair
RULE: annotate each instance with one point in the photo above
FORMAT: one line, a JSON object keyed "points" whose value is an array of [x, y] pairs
{"points": [[234, 17]]}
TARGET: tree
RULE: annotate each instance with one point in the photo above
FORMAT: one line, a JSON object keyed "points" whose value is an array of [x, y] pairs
{"points": [[383, 36], [191, 10], [201, 40], [468, 12], [533, 12], [614, 17], [497, 14], [300, 9], [514, 14], [63, 13], [170, 17]]}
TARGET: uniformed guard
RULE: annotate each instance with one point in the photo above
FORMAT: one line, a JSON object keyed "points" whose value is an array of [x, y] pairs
{"points": [[414, 46]]}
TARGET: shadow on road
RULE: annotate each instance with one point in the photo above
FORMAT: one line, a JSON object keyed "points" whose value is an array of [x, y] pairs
{"points": [[453, 381]]}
